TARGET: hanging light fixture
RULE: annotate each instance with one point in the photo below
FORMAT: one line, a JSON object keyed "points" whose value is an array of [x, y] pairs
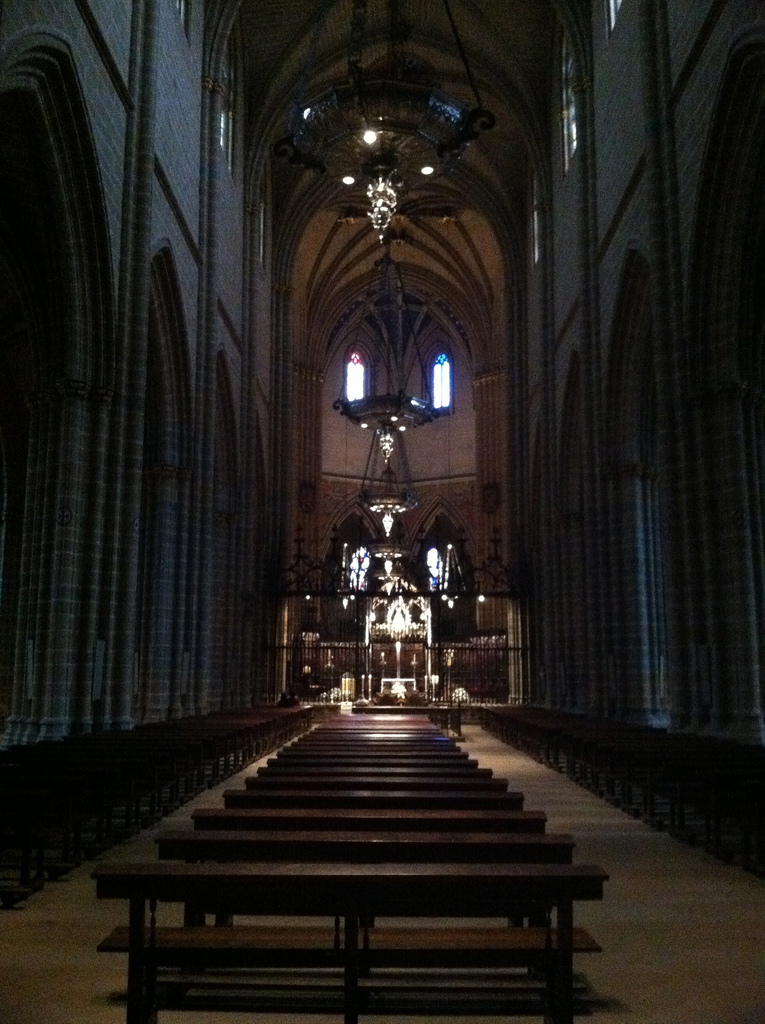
{"points": [[391, 407], [385, 492], [389, 124]]}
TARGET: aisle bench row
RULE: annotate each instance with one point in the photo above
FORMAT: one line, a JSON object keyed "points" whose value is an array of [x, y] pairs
{"points": [[337, 848], [63, 801], [704, 790]]}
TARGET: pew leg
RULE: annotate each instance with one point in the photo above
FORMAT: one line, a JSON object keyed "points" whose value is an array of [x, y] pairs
{"points": [[137, 1011], [562, 982], [351, 968]]}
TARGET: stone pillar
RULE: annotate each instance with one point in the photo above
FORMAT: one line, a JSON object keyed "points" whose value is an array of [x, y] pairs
{"points": [[90, 664], [593, 532], [127, 426], [202, 493], [247, 567], [738, 601], [60, 572], [18, 729], [160, 649], [637, 628], [669, 344]]}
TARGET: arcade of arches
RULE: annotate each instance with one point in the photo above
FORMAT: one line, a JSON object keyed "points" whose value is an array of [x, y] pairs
{"points": [[185, 515]]}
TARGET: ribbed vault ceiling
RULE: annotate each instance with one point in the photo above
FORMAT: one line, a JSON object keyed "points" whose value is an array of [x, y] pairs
{"points": [[456, 237]]}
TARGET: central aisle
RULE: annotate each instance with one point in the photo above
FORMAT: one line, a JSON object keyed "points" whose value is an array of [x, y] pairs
{"points": [[682, 935]]}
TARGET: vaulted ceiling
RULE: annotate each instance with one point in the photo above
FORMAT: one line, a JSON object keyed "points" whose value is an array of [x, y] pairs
{"points": [[458, 238]]}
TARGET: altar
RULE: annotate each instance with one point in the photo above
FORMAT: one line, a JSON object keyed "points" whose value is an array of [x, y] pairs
{"points": [[398, 686]]}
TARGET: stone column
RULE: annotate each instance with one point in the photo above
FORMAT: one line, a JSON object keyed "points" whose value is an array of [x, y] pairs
{"points": [[90, 664], [637, 630], [160, 649], [202, 492], [669, 343], [127, 426], [60, 571], [18, 729], [738, 600], [594, 555]]}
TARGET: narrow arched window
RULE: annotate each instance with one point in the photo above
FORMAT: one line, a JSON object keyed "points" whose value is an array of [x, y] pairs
{"points": [[568, 104], [354, 377], [536, 220], [183, 13], [435, 567], [357, 576], [442, 382], [229, 83], [612, 9]]}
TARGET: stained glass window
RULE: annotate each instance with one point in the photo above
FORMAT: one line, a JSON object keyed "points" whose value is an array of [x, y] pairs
{"points": [[435, 567], [442, 382], [568, 103], [354, 378], [612, 9], [228, 102], [358, 569], [536, 220]]}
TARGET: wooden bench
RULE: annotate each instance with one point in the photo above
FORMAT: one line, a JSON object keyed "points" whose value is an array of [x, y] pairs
{"points": [[357, 893], [373, 769], [369, 781], [419, 799], [365, 846], [386, 819], [334, 759]]}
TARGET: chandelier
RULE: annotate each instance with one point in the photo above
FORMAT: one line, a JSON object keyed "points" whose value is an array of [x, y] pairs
{"points": [[390, 408], [389, 125], [385, 492]]}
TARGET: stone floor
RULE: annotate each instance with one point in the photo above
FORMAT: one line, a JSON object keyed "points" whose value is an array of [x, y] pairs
{"points": [[683, 935]]}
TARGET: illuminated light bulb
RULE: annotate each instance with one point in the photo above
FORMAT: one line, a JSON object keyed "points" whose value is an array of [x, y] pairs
{"points": [[402, 427], [370, 137], [481, 598], [349, 179], [364, 426], [393, 419], [427, 169]]}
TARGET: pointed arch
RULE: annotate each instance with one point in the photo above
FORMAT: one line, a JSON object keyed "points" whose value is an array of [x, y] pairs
{"points": [[165, 512], [57, 371], [168, 376], [57, 172], [637, 605], [727, 362]]}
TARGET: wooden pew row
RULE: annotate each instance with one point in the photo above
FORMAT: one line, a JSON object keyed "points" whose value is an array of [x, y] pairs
{"points": [[73, 798], [358, 799], [341, 756], [703, 789], [358, 893], [382, 818], [374, 783], [365, 846], [386, 841]]}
